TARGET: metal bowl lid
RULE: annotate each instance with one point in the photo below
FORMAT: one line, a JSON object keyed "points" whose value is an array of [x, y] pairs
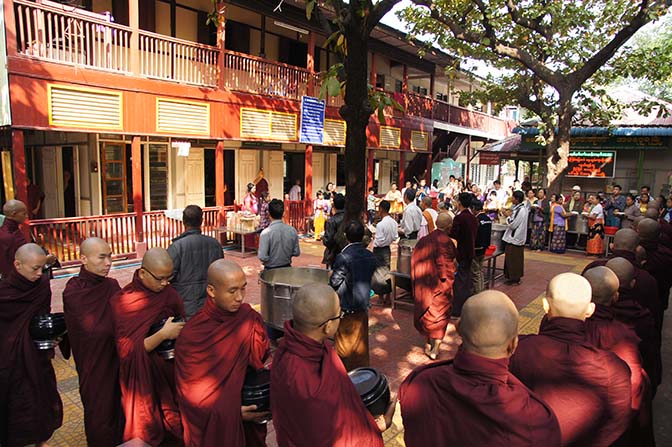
{"points": [[366, 380], [257, 380]]}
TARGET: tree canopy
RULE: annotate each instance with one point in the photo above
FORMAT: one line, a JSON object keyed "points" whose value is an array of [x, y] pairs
{"points": [[547, 51]]}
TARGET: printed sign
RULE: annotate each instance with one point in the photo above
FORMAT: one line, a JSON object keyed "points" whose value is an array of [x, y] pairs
{"points": [[593, 164], [312, 120]]}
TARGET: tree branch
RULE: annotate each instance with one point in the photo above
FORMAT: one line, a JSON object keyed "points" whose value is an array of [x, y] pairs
{"points": [[532, 25], [379, 10]]}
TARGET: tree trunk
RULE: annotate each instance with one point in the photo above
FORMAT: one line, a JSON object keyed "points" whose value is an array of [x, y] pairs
{"points": [[356, 112], [557, 151]]}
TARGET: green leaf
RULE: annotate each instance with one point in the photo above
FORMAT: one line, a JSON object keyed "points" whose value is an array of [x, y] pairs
{"points": [[310, 5], [333, 86]]}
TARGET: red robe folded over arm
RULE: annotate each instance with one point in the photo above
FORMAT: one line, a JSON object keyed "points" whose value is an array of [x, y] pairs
{"points": [[147, 380], [587, 388], [473, 401], [212, 355], [86, 303], [313, 401], [433, 274], [30, 407]]}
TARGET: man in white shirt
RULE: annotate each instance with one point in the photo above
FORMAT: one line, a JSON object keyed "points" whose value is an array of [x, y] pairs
{"points": [[515, 236], [386, 234], [295, 191], [501, 193], [412, 217]]}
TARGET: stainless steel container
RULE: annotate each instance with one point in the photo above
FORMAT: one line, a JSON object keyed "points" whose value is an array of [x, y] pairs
{"points": [[496, 235], [578, 224], [404, 253], [278, 287]]}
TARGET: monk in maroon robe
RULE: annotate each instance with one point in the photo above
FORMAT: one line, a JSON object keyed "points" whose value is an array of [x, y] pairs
{"points": [[473, 400], [215, 350], [148, 380], [11, 236], [30, 407], [604, 331], [658, 257], [313, 401], [433, 273], [587, 388], [645, 290], [628, 311], [86, 303]]}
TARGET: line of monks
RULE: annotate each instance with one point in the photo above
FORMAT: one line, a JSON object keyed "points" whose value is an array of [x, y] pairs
{"points": [[587, 378]]}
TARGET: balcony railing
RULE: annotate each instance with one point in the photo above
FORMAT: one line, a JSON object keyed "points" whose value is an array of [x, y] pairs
{"points": [[247, 73], [52, 34], [179, 60]]}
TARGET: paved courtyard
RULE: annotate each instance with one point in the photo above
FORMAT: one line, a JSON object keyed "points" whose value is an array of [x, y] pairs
{"points": [[396, 347]]}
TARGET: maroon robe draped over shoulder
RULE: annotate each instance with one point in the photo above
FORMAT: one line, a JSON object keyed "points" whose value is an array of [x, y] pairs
{"points": [[628, 311], [433, 274], [86, 303], [659, 263], [473, 401], [587, 388], [11, 238], [313, 401], [147, 380], [30, 407], [212, 355]]}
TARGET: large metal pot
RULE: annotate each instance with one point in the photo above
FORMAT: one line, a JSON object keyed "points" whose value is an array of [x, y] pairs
{"points": [[578, 223], [496, 235], [404, 253], [278, 287]]}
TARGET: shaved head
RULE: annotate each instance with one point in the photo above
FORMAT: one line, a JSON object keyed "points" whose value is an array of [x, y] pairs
{"points": [[157, 257], [15, 210], [604, 284], [444, 221], [221, 269], [313, 304], [626, 239], [569, 295], [489, 324], [623, 269], [649, 230], [29, 261], [93, 245], [652, 213]]}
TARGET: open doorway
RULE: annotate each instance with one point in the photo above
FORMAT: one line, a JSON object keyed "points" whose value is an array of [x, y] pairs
{"points": [[295, 169], [209, 177]]}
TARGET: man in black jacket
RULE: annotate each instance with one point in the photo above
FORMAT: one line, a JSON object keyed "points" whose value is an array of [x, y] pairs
{"points": [[192, 253], [483, 239], [351, 278], [334, 238]]}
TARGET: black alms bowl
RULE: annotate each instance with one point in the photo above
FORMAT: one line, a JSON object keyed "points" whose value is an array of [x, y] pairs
{"points": [[373, 388], [167, 347], [257, 389], [47, 330]]}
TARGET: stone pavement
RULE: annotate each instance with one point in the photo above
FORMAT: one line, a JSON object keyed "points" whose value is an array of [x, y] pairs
{"points": [[396, 347]]}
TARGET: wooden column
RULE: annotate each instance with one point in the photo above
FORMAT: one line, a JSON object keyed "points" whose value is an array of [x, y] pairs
{"points": [[219, 181], [134, 24], [374, 74], [370, 170], [10, 29], [432, 80], [221, 43], [404, 80], [310, 65], [402, 170], [19, 166], [136, 165], [428, 174]]}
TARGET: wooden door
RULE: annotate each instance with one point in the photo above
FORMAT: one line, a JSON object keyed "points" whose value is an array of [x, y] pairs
{"points": [[194, 184], [275, 174], [384, 171], [248, 167], [52, 182], [318, 173], [333, 165], [113, 158]]}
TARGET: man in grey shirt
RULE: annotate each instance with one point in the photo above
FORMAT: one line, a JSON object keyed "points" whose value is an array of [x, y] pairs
{"points": [[412, 217], [192, 254], [514, 236], [279, 242]]}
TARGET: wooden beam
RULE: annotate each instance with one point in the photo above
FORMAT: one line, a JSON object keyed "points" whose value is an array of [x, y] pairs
{"points": [[219, 181], [136, 166]]}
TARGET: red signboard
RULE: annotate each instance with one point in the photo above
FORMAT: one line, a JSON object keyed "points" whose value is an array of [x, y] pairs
{"points": [[591, 164], [489, 158]]}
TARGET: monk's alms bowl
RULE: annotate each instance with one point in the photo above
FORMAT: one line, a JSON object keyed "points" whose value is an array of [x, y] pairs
{"points": [[373, 388], [167, 347], [257, 389], [47, 330]]}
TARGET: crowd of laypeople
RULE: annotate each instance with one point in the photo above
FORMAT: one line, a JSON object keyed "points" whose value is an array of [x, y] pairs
{"points": [[587, 378]]}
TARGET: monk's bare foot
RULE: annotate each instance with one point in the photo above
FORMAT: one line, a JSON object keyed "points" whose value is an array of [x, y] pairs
{"points": [[434, 351]]}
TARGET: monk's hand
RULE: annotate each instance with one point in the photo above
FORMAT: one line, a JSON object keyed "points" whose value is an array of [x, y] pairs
{"points": [[258, 417], [51, 259], [384, 421], [171, 330]]}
